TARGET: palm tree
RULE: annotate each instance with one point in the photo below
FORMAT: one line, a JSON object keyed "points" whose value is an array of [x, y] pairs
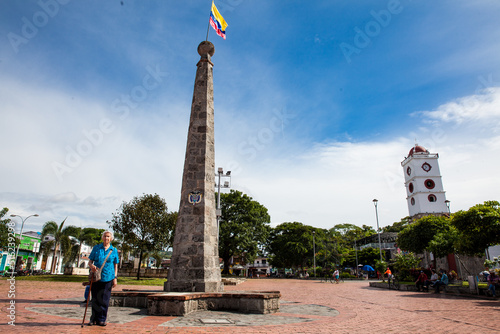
{"points": [[82, 236], [71, 249], [53, 229]]}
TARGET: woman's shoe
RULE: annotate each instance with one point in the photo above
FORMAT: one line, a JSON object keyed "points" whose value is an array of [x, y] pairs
{"points": [[101, 323]]}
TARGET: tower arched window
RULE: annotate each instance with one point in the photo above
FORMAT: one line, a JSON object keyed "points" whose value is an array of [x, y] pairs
{"points": [[432, 198], [429, 184], [412, 201], [410, 187]]}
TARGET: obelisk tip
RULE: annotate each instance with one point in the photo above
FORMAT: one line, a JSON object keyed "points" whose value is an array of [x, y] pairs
{"points": [[205, 48]]}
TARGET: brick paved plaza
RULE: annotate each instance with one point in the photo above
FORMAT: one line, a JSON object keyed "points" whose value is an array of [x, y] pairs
{"points": [[307, 307]]}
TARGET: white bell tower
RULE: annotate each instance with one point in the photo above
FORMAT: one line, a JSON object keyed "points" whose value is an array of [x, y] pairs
{"points": [[424, 188]]}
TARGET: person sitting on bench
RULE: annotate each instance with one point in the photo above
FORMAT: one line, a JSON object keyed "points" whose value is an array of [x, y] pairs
{"points": [[432, 281], [493, 282], [442, 281], [420, 282]]}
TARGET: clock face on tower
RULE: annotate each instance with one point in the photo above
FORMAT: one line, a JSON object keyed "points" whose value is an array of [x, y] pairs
{"points": [[426, 167]]}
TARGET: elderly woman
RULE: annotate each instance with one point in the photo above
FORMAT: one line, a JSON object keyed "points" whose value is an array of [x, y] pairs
{"points": [[101, 290]]}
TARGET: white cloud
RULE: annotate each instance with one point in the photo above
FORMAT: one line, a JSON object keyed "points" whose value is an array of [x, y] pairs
{"points": [[333, 183], [482, 107], [320, 184]]}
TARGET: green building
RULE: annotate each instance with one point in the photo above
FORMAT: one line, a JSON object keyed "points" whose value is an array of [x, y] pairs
{"points": [[28, 252]]}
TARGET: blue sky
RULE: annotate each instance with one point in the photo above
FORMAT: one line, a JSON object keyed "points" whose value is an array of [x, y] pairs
{"points": [[316, 104]]}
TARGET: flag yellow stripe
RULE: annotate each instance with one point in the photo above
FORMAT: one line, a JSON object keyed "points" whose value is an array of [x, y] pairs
{"points": [[219, 17]]}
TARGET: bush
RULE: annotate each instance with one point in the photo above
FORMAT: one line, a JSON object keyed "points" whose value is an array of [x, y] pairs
{"points": [[346, 274], [404, 262], [380, 267]]}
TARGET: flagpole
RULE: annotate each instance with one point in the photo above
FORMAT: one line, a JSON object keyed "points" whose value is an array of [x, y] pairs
{"points": [[208, 28]]}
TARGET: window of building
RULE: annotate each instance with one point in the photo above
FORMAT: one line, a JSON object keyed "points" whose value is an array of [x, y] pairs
{"points": [[432, 198], [412, 201], [429, 184], [410, 187]]}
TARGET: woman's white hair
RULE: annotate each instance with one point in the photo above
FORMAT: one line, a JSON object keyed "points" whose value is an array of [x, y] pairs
{"points": [[112, 235]]}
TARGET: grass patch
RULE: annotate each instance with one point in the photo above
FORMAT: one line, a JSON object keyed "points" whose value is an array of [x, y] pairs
{"points": [[81, 279]]}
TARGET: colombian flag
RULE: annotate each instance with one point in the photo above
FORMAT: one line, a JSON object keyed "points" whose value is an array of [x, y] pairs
{"points": [[217, 22]]}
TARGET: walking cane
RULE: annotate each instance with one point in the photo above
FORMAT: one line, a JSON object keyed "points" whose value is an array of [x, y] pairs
{"points": [[88, 298]]}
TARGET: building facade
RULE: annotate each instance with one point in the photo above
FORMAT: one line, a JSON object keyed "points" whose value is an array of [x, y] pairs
{"points": [[425, 194], [27, 257]]}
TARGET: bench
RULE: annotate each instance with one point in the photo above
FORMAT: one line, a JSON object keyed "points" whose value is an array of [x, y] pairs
{"points": [[182, 303]]}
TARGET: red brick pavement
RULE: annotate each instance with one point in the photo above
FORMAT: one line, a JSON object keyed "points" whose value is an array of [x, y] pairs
{"points": [[362, 310]]}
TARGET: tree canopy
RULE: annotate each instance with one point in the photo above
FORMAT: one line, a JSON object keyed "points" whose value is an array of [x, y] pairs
{"points": [[90, 236], [291, 245], [397, 226], [4, 229], [466, 232], [478, 228], [145, 224], [417, 236], [244, 227]]}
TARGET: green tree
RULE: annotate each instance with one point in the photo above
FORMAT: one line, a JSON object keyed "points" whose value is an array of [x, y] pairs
{"points": [[344, 237], [70, 248], [404, 262], [444, 243], [92, 236], [51, 228], [145, 224], [86, 235], [380, 266], [244, 227], [291, 245], [368, 255], [368, 230], [417, 236], [397, 226], [478, 228], [4, 229]]}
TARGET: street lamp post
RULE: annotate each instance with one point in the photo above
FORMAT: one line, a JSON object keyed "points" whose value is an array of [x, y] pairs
{"points": [[21, 235], [448, 206], [356, 249], [220, 175], [314, 254], [375, 202]]}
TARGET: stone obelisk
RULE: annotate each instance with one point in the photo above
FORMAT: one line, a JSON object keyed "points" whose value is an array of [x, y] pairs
{"points": [[195, 258]]}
